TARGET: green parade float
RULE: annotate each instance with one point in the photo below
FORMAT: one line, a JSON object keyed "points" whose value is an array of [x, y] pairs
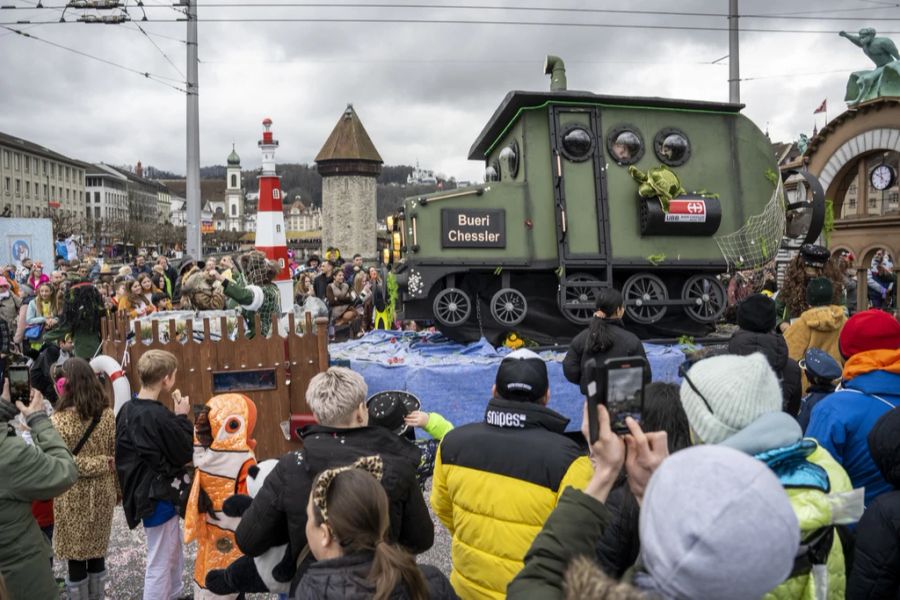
{"points": [[656, 197]]}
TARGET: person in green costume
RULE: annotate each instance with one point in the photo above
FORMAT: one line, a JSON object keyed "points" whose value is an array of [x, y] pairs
{"points": [[258, 295], [82, 309]]}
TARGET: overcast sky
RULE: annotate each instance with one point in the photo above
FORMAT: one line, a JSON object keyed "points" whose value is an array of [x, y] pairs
{"points": [[422, 90]]}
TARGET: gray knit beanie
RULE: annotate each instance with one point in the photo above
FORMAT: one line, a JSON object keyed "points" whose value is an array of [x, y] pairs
{"points": [[716, 524], [738, 389]]}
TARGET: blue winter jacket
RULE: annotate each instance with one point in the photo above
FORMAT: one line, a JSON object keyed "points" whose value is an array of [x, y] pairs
{"points": [[842, 421]]}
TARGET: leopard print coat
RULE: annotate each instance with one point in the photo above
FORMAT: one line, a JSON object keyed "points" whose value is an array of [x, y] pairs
{"points": [[83, 514]]}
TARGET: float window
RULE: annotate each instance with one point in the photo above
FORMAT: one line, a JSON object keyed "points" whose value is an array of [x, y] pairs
{"points": [[625, 145], [510, 156], [577, 143], [672, 147]]}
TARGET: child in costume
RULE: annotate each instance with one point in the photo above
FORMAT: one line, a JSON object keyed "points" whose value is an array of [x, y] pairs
{"points": [[258, 295], [401, 413], [273, 570], [223, 454]]}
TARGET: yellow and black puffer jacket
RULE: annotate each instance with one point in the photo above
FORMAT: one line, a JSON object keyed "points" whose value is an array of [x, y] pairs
{"points": [[495, 483]]}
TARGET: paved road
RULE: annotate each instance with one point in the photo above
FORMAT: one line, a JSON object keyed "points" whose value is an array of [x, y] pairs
{"points": [[128, 554]]}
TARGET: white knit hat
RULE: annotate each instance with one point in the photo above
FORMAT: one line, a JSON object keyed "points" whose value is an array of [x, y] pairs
{"points": [[738, 389]]}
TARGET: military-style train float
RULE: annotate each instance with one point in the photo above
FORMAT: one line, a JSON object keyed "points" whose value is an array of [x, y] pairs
{"points": [[562, 213]]}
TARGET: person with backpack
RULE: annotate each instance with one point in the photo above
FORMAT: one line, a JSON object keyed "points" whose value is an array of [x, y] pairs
{"points": [[735, 401]]}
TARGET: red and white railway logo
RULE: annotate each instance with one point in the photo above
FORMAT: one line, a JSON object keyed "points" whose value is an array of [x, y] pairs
{"points": [[687, 211]]}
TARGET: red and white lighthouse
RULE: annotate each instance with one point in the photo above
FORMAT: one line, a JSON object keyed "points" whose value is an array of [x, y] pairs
{"points": [[270, 234]]}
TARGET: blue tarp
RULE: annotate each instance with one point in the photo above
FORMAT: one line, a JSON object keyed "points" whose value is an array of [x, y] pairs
{"points": [[455, 379]]}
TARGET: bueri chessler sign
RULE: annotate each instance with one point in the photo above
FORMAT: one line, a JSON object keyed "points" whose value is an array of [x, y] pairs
{"points": [[691, 210], [473, 228]]}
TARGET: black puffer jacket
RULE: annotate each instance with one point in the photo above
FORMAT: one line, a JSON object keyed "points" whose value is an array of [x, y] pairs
{"points": [[153, 445], [619, 546], [345, 578], [773, 346], [876, 563], [625, 344], [278, 512]]}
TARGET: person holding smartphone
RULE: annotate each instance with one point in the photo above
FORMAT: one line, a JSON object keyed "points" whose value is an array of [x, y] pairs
{"points": [[606, 337], [37, 471]]}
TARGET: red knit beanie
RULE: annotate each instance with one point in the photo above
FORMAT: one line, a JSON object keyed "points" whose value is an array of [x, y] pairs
{"points": [[869, 330]]}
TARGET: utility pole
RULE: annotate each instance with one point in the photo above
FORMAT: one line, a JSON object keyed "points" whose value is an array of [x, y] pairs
{"points": [[734, 59], [192, 190]]}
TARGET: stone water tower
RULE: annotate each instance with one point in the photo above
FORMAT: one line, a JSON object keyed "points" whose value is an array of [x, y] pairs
{"points": [[349, 165]]}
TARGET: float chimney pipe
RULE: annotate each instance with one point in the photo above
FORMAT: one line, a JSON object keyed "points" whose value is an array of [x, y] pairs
{"points": [[556, 68]]}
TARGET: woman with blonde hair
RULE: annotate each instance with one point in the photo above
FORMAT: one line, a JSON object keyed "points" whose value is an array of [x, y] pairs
{"points": [[42, 314], [346, 529], [83, 514]]}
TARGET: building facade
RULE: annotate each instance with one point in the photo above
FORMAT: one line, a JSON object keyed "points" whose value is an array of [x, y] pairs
{"points": [[106, 193], [856, 157], [35, 181], [299, 217]]}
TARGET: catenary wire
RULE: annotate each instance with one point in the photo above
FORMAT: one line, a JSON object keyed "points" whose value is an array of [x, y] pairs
{"points": [[152, 77]]}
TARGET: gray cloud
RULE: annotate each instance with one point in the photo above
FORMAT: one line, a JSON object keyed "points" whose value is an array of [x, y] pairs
{"points": [[423, 91]]}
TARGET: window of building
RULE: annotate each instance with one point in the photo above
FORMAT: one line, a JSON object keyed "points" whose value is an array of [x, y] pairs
{"points": [[234, 210], [6, 159], [97, 197], [28, 189], [28, 164], [67, 174], [18, 187], [234, 180], [97, 211], [7, 185], [18, 211], [16, 161], [45, 167], [53, 170]]}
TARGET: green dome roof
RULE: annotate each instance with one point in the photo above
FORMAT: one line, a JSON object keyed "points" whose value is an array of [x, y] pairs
{"points": [[233, 158]]}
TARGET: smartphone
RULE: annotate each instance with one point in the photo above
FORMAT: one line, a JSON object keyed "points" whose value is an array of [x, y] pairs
{"points": [[619, 385], [19, 384]]}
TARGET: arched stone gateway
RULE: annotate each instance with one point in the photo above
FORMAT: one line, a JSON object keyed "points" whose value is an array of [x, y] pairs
{"points": [[876, 139]]}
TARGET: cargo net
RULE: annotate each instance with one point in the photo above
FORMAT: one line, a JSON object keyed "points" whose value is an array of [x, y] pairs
{"points": [[756, 243]]}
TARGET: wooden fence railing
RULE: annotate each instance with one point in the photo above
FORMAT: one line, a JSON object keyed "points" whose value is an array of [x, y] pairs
{"points": [[273, 371]]}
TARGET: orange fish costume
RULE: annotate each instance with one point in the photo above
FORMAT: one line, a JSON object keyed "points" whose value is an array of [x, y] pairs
{"points": [[220, 472]]}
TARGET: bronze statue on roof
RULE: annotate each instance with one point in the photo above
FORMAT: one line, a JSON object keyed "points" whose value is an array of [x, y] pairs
{"points": [[884, 80]]}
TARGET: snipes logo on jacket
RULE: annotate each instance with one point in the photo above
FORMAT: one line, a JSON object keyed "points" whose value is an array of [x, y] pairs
{"points": [[505, 419]]}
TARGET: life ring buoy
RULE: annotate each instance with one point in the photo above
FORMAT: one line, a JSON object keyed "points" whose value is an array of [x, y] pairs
{"points": [[113, 370]]}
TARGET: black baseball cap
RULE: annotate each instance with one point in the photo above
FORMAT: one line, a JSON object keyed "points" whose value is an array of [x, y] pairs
{"points": [[522, 376]]}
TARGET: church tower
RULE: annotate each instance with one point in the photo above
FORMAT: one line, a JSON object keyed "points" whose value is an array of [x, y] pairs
{"points": [[234, 193], [349, 165]]}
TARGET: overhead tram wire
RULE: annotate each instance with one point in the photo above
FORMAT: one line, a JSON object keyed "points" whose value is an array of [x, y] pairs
{"points": [[160, 79], [149, 39], [796, 16]]}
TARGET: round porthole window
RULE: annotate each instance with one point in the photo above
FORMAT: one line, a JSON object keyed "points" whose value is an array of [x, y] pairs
{"points": [[492, 172], [577, 143], [672, 147], [510, 157], [625, 144]]}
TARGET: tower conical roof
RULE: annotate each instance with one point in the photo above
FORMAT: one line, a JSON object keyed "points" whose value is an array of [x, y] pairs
{"points": [[349, 141]]}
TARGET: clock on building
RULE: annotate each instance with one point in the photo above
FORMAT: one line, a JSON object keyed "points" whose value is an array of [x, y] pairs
{"points": [[882, 177]]}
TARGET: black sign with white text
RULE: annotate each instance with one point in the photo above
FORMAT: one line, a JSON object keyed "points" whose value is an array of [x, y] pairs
{"points": [[473, 228]]}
